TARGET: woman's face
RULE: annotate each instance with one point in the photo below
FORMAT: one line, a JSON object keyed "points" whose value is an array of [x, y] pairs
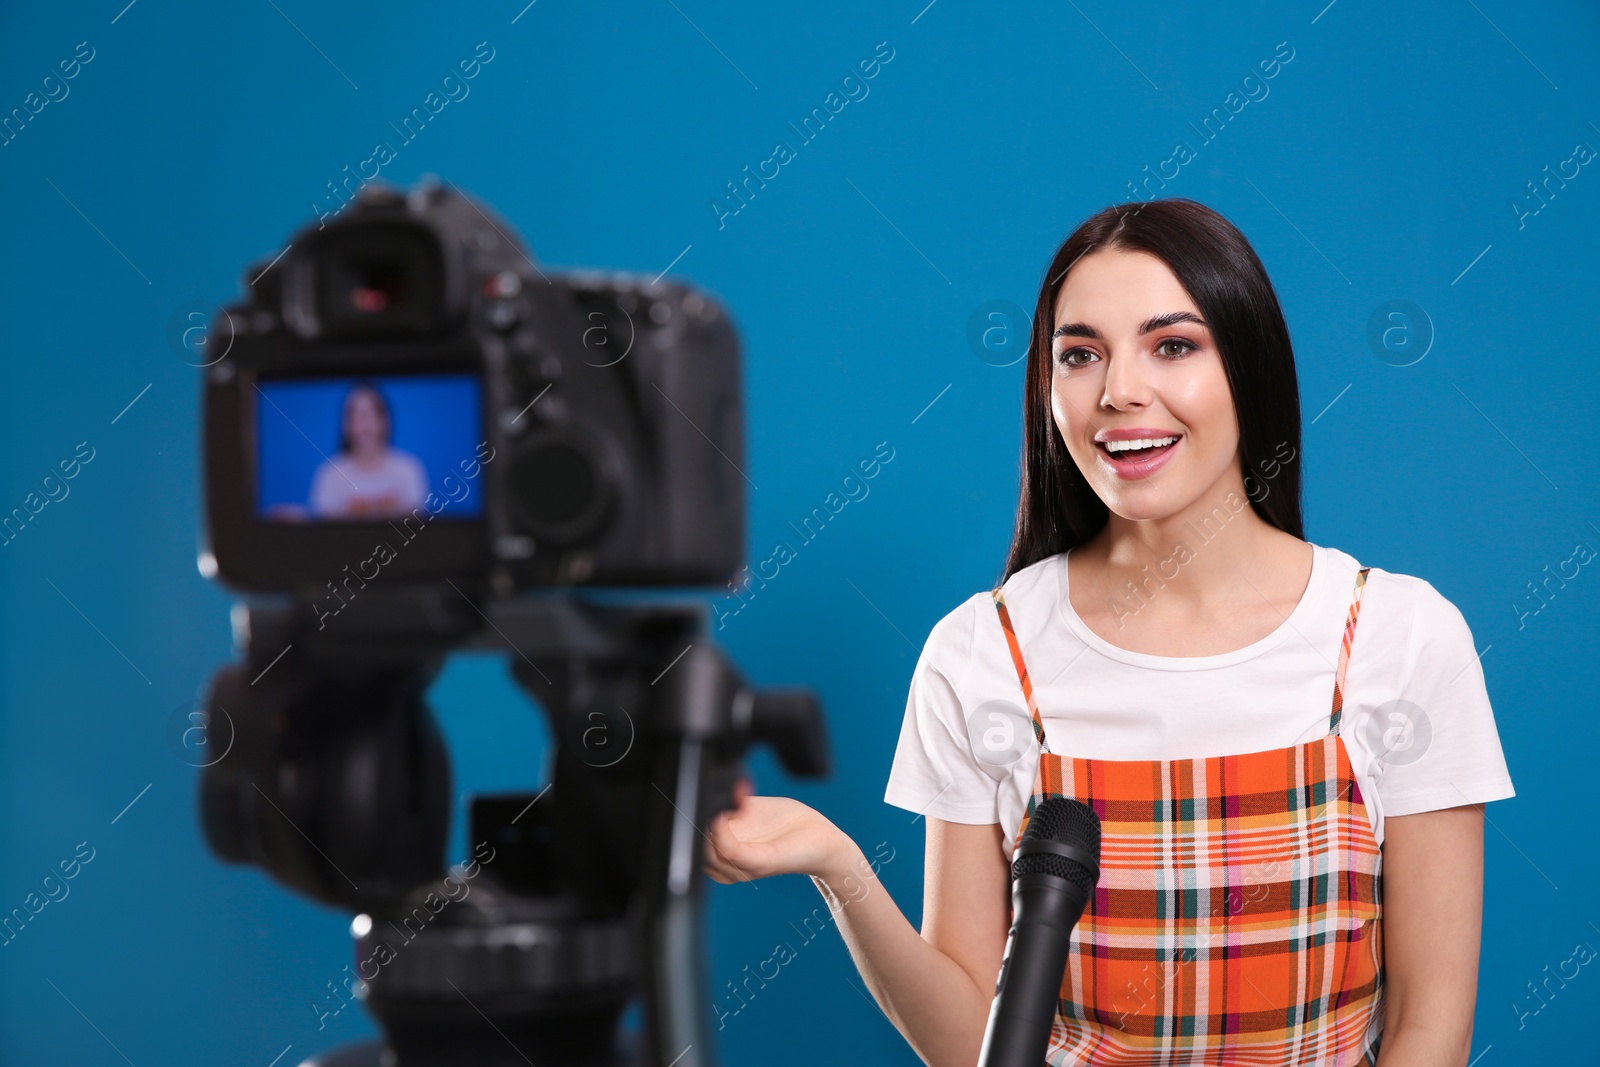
{"points": [[366, 426], [1131, 352]]}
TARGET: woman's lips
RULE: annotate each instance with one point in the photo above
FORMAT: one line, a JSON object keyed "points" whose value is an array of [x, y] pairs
{"points": [[1142, 467]]}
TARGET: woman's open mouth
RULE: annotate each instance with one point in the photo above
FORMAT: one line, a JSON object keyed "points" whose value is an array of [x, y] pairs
{"points": [[1138, 458]]}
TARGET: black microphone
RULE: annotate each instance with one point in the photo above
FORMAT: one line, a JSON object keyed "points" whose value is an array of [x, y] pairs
{"points": [[1057, 866]]}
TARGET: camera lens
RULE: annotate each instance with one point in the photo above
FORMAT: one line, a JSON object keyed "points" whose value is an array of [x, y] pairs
{"points": [[560, 490]]}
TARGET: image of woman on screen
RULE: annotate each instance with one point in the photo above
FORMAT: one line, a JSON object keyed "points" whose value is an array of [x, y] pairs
{"points": [[368, 478]]}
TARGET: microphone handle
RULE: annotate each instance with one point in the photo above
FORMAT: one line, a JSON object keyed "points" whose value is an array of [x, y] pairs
{"points": [[1027, 995]]}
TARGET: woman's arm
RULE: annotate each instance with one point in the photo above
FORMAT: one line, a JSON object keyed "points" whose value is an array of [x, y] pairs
{"points": [[936, 986], [1432, 922], [325, 498]]}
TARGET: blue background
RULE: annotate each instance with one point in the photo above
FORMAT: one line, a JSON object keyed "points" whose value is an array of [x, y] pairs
{"points": [[1385, 164], [435, 418]]}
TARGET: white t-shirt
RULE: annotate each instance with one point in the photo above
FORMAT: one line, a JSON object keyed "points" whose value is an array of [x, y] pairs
{"points": [[1417, 722], [341, 489]]}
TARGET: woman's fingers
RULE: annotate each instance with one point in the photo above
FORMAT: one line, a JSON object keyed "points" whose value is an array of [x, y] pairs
{"points": [[730, 858], [717, 871], [718, 865], [721, 840]]}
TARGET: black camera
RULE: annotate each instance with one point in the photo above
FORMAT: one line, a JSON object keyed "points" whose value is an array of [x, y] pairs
{"points": [[413, 428], [405, 394]]}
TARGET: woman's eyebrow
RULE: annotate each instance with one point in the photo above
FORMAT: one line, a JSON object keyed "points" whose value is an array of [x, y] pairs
{"points": [[1159, 322]]}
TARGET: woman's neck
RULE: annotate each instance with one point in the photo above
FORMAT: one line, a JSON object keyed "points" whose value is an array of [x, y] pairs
{"points": [[1208, 581], [368, 458]]}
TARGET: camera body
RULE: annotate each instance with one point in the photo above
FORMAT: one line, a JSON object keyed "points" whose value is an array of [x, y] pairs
{"points": [[404, 396]]}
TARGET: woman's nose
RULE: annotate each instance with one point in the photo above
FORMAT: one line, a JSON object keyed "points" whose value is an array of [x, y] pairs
{"points": [[1126, 382]]}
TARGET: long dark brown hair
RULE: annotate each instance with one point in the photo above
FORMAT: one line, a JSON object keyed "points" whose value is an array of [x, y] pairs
{"points": [[1057, 509]]}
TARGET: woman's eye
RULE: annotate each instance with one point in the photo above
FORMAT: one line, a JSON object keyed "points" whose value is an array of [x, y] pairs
{"points": [[1171, 348]]}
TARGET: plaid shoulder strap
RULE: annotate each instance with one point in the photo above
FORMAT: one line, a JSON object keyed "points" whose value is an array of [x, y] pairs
{"points": [[1344, 650], [1022, 667]]}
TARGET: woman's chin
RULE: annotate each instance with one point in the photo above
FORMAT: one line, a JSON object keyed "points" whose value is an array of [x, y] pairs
{"points": [[1143, 501]]}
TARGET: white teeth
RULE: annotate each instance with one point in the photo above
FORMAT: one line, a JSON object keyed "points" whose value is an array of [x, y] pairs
{"points": [[1142, 442]]}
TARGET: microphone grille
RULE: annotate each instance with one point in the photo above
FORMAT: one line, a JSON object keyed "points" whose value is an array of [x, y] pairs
{"points": [[1065, 820], [1060, 866]]}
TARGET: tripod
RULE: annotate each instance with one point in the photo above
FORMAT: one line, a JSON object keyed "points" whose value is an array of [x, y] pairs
{"points": [[588, 895]]}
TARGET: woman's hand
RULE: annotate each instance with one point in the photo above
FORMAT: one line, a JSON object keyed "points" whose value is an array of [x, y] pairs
{"points": [[763, 836]]}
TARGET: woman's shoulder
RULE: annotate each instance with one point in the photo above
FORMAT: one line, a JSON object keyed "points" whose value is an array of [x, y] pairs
{"points": [[1399, 589], [1028, 595], [1407, 606], [400, 459], [329, 466]]}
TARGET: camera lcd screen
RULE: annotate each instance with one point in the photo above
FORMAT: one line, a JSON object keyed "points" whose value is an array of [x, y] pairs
{"points": [[368, 449]]}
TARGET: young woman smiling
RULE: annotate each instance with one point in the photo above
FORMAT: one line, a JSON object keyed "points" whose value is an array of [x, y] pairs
{"points": [[1291, 865]]}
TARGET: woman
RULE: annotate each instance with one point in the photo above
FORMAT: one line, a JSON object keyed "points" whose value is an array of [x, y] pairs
{"points": [[1291, 865], [368, 478]]}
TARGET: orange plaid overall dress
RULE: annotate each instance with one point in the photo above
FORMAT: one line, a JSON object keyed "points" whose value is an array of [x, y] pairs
{"points": [[1238, 917]]}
